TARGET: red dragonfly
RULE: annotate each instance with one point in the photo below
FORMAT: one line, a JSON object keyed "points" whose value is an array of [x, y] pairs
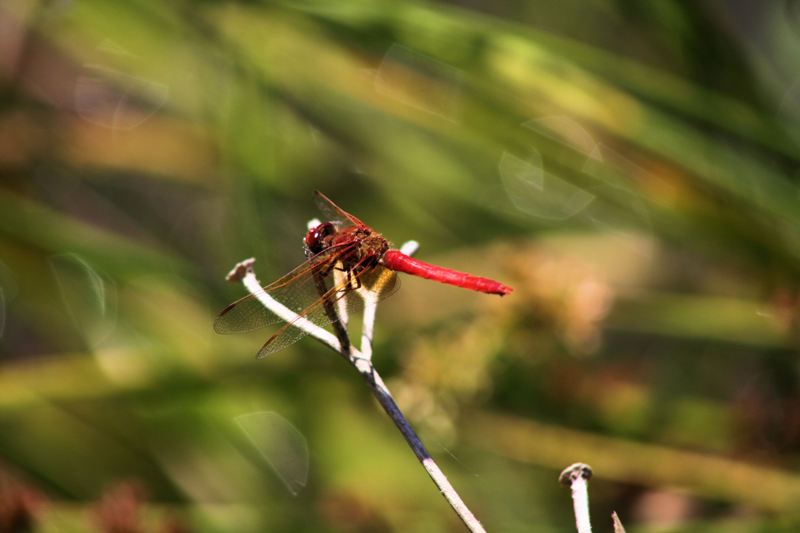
{"points": [[358, 257]]}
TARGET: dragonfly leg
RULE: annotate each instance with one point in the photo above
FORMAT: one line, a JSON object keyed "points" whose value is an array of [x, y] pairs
{"points": [[352, 281]]}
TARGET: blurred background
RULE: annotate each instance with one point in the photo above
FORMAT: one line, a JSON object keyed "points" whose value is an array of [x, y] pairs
{"points": [[631, 168]]}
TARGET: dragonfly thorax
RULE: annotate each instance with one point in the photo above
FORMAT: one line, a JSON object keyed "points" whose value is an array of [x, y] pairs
{"points": [[356, 246], [361, 247]]}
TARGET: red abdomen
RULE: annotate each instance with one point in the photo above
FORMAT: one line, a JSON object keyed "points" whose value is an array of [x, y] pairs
{"points": [[397, 260]]}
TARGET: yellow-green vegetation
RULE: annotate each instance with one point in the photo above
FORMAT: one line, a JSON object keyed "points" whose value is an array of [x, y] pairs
{"points": [[630, 168]]}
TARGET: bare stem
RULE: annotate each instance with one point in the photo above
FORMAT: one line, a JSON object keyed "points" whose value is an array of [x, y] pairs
{"points": [[361, 361], [385, 399], [576, 476]]}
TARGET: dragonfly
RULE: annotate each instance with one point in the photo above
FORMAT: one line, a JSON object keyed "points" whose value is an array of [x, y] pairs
{"points": [[343, 256]]}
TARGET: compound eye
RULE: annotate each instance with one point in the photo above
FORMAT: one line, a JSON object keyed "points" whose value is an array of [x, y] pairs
{"points": [[315, 238], [326, 229]]}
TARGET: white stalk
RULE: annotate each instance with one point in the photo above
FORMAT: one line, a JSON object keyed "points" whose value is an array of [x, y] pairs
{"points": [[340, 280], [370, 298], [577, 477]]}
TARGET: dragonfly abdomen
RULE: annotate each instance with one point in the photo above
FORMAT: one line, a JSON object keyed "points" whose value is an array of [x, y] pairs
{"points": [[400, 262]]}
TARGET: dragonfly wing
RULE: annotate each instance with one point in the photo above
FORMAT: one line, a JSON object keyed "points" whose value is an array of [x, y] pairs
{"points": [[296, 290], [379, 281], [245, 314], [300, 293], [291, 332], [334, 213]]}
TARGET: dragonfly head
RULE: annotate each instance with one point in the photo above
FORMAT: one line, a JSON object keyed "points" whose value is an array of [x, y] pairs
{"points": [[319, 237]]}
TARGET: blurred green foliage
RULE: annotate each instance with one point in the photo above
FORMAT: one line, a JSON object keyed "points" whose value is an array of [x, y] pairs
{"points": [[631, 168]]}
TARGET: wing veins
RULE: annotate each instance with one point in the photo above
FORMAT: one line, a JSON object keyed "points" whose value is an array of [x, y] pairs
{"points": [[247, 323]]}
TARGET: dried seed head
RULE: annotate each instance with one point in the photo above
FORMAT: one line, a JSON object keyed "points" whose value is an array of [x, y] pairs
{"points": [[574, 472]]}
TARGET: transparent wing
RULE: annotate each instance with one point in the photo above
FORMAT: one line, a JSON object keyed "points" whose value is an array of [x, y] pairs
{"points": [[316, 313], [305, 291], [378, 281], [334, 213], [296, 290]]}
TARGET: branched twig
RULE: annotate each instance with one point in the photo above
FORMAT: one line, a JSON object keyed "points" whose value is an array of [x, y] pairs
{"points": [[362, 361]]}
